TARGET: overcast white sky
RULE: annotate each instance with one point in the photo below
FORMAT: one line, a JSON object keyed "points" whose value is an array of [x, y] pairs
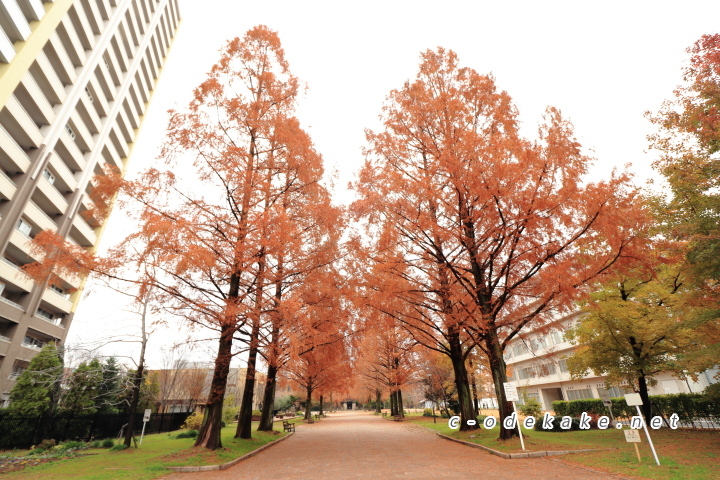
{"points": [[603, 64]]}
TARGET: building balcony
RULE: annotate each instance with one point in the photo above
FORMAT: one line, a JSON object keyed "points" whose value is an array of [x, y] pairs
{"points": [[4, 345], [11, 273], [52, 201], [7, 187], [38, 217], [12, 157], [57, 300], [83, 233]]}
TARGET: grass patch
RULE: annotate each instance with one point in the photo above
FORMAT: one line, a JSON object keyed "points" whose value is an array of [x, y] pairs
{"points": [[148, 462], [683, 454]]}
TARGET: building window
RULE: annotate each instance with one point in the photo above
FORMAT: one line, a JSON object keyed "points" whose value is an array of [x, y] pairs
{"points": [[45, 314], [546, 369], [70, 131], [581, 394], [48, 176], [563, 365], [520, 349], [89, 95], [24, 227], [556, 337], [32, 342], [17, 371], [615, 392], [527, 372]]}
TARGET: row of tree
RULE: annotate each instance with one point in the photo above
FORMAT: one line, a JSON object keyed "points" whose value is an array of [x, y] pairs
{"points": [[47, 388], [465, 233]]}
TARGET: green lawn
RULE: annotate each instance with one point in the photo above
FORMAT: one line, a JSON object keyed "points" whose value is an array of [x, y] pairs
{"points": [[147, 462], [683, 454]]}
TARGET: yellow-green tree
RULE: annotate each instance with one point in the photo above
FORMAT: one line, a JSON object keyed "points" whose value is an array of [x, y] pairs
{"points": [[639, 324]]}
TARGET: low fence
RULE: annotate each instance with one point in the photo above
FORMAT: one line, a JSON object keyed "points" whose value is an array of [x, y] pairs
{"points": [[23, 432]]}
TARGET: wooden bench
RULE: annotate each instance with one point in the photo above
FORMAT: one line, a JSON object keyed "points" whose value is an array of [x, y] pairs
{"points": [[384, 414], [288, 427], [397, 418]]}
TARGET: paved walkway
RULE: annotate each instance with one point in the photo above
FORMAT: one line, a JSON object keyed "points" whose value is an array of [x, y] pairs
{"points": [[358, 445]]}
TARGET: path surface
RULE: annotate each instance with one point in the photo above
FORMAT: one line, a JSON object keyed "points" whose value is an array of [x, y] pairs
{"points": [[358, 445]]}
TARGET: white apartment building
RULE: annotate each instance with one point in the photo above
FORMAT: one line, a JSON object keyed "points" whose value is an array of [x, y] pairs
{"points": [[537, 366], [76, 77]]}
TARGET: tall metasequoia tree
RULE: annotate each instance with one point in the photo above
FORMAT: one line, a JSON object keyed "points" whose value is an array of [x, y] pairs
{"points": [[209, 244], [505, 230]]}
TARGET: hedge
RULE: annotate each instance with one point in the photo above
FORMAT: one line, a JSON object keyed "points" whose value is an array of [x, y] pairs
{"points": [[688, 406]]}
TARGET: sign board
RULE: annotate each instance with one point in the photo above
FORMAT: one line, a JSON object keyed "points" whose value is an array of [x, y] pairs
{"points": [[607, 403], [633, 399], [604, 394], [146, 417], [511, 393], [632, 436]]}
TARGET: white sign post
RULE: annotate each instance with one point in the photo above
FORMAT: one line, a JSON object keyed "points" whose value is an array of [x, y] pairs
{"points": [[633, 399], [605, 397], [146, 418], [511, 394]]}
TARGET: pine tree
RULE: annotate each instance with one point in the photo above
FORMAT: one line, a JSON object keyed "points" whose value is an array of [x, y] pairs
{"points": [[37, 389]]}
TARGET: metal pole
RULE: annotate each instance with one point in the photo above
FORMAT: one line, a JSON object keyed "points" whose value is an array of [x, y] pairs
{"points": [[644, 423], [522, 442], [143, 433]]}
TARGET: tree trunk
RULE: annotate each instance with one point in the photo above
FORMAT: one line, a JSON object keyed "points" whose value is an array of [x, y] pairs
{"points": [[646, 407], [473, 384], [137, 381], [266, 417], [209, 434], [378, 399], [134, 399], [499, 374], [321, 404], [400, 407], [461, 382], [393, 403], [308, 402], [244, 427]]}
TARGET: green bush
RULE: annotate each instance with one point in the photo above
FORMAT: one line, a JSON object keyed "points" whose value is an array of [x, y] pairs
{"points": [[108, 443], [193, 422], [122, 446], [688, 406], [428, 412], [531, 408], [556, 425], [73, 446], [97, 444], [187, 434]]}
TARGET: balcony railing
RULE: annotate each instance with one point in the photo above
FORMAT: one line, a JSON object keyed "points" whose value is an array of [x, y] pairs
{"points": [[10, 302]]}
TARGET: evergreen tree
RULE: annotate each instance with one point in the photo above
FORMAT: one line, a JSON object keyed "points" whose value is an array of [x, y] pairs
{"points": [[108, 394], [83, 388], [38, 387]]}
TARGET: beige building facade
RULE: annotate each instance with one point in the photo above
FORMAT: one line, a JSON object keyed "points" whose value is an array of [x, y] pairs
{"points": [[76, 77]]}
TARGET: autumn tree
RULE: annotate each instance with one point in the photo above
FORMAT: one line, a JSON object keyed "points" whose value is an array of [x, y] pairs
{"points": [[640, 323], [498, 231], [688, 144]]}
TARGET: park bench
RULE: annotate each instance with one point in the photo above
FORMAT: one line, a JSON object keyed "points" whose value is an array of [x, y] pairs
{"points": [[288, 427], [384, 414], [310, 420], [397, 418]]}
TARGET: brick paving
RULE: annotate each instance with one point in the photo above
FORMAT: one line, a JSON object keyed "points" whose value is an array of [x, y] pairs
{"points": [[359, 445]]}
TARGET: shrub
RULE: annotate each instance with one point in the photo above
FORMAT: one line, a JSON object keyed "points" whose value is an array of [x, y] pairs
{"points": [[556, 425], [122, 446], [428, 412], [97, 444], [46, 444], [531, 408], [193, 422], [108, 443], [187, 434], [73, 446]]}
